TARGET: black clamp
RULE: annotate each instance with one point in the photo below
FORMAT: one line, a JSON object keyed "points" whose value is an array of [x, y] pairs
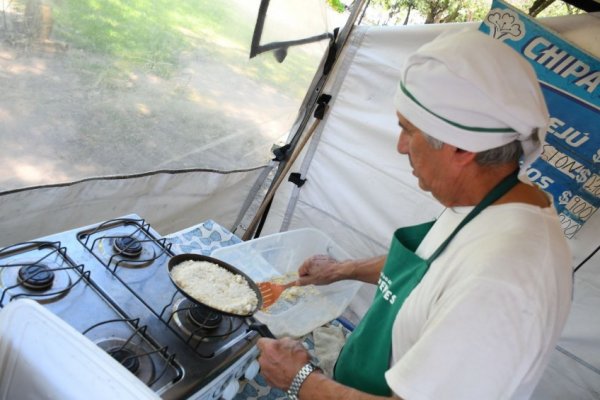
{"points": [[322, 102], [280, 152], [296, 179]]}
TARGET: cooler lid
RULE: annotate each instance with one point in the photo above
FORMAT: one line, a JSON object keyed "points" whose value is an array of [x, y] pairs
{"points": [[42, 357]]}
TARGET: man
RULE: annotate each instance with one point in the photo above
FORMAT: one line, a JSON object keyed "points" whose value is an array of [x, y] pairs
{"points": [[471, 305]]}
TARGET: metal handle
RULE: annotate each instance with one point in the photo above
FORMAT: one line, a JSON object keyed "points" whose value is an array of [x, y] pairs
{"points": [[262, 329]]}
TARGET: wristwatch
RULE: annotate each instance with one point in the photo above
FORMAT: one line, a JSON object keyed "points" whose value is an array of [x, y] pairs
{"points": [[304, 372]]}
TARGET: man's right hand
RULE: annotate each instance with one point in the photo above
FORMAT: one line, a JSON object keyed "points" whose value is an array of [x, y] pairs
{"points": [[319, 270], [323, 269]]}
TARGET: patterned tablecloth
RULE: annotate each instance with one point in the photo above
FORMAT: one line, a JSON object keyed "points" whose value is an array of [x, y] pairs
{"points": [[203, 239]]}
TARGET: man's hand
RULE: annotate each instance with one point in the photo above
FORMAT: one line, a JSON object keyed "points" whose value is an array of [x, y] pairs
{"points": [[280, 360], [319, 270], [323, 269]]}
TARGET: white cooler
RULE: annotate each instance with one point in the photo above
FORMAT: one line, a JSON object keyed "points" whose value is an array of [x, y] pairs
{"points": [[42, 357]]}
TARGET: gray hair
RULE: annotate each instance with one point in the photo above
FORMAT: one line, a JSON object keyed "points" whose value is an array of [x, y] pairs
{"points": [[507, 153]]}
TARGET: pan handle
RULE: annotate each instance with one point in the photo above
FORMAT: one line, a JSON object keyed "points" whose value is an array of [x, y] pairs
{"points": [[262, 329]]}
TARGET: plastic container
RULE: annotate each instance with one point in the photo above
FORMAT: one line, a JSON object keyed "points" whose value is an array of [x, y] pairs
{"points": [[282, 254]]}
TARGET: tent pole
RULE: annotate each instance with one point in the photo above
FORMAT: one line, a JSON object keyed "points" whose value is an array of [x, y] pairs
{"points": [[267, 200], [312, 95]]}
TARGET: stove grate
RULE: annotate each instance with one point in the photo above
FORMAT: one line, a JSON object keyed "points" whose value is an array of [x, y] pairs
{"points": [[121, 245], [55, 249], [137, 350]]}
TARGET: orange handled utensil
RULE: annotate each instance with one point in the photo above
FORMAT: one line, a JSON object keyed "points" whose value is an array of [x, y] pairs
{"points": [[272, 291]]}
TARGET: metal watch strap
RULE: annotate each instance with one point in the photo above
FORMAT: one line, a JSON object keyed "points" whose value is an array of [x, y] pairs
{"points": [[306, 370]]}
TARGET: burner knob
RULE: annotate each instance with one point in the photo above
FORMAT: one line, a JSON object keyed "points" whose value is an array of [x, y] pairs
{"points": [[252, 370], [230, 390]]}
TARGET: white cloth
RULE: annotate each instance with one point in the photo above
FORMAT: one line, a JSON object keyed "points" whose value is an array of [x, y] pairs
{"points": [[486, 316], [466, 82]]}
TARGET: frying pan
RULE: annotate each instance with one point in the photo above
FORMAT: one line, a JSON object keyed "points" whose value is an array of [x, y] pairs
{"points": [[178, 259]]}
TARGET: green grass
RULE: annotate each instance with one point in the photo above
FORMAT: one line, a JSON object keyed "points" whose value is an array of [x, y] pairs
{"points": [[151, 34]]}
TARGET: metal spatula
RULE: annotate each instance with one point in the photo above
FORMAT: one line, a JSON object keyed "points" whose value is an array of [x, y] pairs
{"points": [[271, 291]]}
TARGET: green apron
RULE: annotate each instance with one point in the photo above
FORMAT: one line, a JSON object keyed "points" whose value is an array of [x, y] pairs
{"points": [[367, 353]]}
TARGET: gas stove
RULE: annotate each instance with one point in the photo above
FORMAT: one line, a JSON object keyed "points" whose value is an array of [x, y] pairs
{"points": [[110, 282]]}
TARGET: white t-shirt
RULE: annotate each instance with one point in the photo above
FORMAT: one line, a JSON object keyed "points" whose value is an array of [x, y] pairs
{"points": [[483, 321]]}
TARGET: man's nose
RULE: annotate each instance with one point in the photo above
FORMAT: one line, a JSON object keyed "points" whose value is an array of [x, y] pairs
{"points": [[402, 143]]}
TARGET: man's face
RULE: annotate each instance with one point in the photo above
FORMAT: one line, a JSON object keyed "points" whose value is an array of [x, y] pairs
{"points": [[429, 164]]}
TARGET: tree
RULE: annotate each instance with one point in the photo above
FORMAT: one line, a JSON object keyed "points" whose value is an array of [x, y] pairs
{"points": [[440, 11], [551, 8], [394, 7], [436, 11]]}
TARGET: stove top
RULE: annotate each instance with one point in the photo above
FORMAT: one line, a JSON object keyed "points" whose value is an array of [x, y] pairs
{"points": [[110, 282]]}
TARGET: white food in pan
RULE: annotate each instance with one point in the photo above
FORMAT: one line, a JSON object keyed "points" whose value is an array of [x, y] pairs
{"points": [[215, 286]]}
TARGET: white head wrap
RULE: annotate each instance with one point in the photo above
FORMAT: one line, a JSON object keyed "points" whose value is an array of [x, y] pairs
{"points": [[473, 92]]}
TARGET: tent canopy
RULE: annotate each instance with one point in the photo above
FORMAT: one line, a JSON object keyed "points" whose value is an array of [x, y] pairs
{"points": [[108, 109]]}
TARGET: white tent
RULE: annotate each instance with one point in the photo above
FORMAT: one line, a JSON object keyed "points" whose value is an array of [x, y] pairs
{"points": [[357, 189]]}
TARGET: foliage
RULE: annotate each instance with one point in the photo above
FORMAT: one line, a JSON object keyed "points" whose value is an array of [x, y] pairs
{"points": [[440, 11], [472, 10], [436, 11], [336, 5], [544, 8], [447, 10]]}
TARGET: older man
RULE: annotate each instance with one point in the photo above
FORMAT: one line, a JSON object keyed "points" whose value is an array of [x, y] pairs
{"points": [[471, 305]]}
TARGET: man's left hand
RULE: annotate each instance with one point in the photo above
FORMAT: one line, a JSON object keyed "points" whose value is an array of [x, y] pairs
{"points": [[280, 360]]}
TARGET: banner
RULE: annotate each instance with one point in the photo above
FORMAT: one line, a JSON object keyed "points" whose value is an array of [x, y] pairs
{"points": [[568, 168]]}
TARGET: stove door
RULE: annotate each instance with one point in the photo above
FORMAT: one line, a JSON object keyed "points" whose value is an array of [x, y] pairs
{"points": [[41, 357]]}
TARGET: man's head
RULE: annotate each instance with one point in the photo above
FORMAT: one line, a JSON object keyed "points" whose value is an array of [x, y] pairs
{"points": [[475, 93]]}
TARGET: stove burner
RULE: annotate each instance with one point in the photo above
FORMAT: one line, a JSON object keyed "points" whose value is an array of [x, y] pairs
{"points": [[131, 356], [126, 358], [204, 317], [200, 323], [36, 277], [127, 246]]}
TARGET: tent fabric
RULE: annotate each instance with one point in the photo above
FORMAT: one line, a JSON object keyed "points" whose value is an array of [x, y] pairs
{"points": [[169, 200], [358, 189]]}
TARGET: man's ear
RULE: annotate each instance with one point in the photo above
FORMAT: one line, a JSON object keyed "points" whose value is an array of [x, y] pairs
{"points": [[462, 157]]}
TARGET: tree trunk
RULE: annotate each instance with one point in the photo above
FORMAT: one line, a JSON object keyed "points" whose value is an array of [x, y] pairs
{"points": [[452, 16], [430, 19], [434, 13], [538, 6], [407, 14]]}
